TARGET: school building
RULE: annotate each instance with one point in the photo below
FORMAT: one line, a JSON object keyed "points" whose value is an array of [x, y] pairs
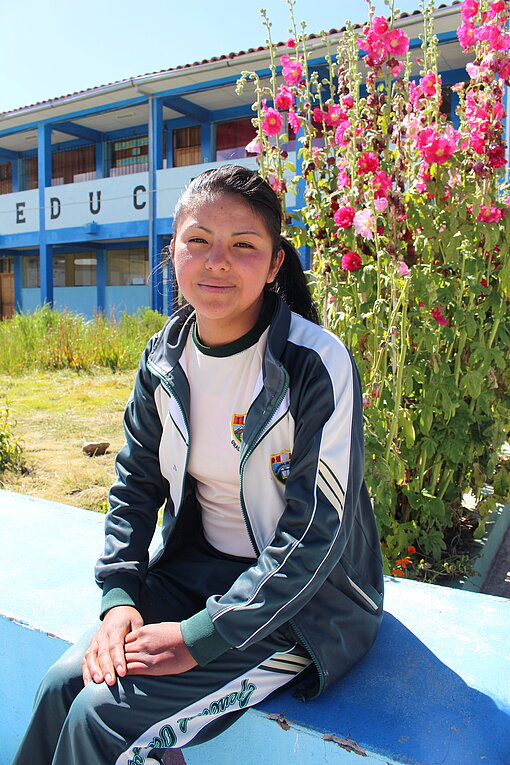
{"points": [[88, 181]]}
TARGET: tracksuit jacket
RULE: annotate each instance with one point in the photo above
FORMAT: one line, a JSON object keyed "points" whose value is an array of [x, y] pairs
{"points": [[317, 560]]}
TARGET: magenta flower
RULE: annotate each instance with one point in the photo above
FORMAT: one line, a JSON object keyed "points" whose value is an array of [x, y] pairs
{"points": [[466, 35], [291, 43], [490, 214], [272, 121], [364, 223], [437, 147], [397, 42], [292, 70], [284, 98], [430, 84], [294, 121], [335, 115], [351, 261], [343, 178], [344, 216], [379, 25], [348, 102], [318, 115], [439, 317], [340, 134], [381, 183], [496, 156], [469, 9], [368, 162], [381, 204]]}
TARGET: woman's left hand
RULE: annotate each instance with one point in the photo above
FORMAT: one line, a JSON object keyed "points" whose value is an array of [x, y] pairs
{"points": [[157, 649]]}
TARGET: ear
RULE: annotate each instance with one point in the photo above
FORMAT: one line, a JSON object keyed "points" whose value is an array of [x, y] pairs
{"points": [[171, 249], [276, 263]]}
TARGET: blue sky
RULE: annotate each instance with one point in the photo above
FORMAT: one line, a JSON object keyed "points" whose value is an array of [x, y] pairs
{"points": [[54, 48]]}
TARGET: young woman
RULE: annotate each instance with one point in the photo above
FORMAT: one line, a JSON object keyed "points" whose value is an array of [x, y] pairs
{"points": [[246, 423]]}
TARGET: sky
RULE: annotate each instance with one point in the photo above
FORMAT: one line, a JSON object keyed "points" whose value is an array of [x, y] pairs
{"points": [[54, 48]]}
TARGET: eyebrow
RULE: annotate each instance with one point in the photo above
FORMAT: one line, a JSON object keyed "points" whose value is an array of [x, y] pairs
{"points": [[235, 233]]}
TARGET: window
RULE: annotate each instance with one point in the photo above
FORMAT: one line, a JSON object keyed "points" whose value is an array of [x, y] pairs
{"points": [[31, 275], [5, 177], [130, 266], [74, 269], [6, 265], [28, 173], [232, 137], [126, 157], [186, 145], [73, 165]]}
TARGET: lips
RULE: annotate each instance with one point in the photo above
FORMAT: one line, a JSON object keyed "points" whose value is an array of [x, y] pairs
{"points": [[218, 287]]}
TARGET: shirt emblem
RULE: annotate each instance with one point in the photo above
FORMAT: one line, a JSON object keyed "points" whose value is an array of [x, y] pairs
{"points": [[280, 465], [238, 426]]}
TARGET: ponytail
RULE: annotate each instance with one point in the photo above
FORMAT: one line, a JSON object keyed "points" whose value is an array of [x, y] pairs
{"points": [[291, 284]]}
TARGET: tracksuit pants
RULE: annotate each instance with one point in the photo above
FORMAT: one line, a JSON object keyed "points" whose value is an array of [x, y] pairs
{"points": [[141, 715]]}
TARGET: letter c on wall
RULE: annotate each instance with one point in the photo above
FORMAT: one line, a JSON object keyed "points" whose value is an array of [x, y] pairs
{"points": [[136, 204]]}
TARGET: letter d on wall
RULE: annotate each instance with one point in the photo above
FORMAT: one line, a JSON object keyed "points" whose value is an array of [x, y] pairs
{"points": [[55, 207]]}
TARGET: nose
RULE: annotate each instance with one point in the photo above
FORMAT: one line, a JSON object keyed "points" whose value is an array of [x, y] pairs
{"points": [[217, 257]]}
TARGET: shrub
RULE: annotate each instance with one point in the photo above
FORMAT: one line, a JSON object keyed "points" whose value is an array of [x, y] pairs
{"points": [[11, 453], [408, 223]]}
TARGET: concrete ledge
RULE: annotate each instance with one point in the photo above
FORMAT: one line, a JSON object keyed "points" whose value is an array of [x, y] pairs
{"points": [[498, 522], [434, 689]]}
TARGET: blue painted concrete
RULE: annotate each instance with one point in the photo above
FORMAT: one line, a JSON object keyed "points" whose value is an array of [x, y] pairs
{"points": [[434, 689]]}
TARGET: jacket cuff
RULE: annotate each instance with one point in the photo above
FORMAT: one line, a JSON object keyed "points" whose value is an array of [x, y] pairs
{"points": [[202, 639], [119, 590]]}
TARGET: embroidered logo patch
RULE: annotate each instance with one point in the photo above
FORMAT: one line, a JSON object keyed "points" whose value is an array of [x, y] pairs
{"points": [[280, 465], [238, 427]]}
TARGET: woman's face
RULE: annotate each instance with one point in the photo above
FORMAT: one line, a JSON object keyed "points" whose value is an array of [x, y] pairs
{"points": [[222, 255]]}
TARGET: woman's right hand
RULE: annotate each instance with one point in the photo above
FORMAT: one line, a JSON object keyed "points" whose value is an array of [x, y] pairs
{"points": [[105, 659]]}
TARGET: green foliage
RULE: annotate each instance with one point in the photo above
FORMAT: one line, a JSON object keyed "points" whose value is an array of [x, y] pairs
{"points": [[50, 339], [416, 282], [11, 453]]}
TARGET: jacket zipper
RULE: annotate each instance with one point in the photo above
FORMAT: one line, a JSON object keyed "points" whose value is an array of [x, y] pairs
{"points": [[313, 657], [248, 453], [169, 389]]}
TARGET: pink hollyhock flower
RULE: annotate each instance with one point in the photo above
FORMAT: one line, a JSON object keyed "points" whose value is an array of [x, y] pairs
{"points": [[381, 183], [489, 215], [381, 204], [364, 223], [368, 162], [334, 115], [379, 25], [437, 147], [494, 35], [351, 261], [430, 84], [348, 102], [340, 134], [291, 43], [275, 184], [396, 67], [466, 35], [375, 47], [294, 121], [439, 317], [344, 216], [343, 178], [253, 147], [403, 269], [292, 70], [473, 70], [469, 9], [284, 98], [397, 42], [272, 121], [318, 115]]}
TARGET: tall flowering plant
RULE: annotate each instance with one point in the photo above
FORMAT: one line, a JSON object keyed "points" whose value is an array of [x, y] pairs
{"points": [[406, 215]]}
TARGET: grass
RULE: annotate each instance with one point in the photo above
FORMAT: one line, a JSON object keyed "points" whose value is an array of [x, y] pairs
{"points": [[55, 414], [48, 339]]}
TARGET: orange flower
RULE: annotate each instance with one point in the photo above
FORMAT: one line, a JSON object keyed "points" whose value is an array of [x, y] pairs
{"points": [[397, 572], [411, 550]]}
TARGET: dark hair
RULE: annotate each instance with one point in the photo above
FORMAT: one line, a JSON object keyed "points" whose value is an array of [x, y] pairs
{"points": [[290, 282]]}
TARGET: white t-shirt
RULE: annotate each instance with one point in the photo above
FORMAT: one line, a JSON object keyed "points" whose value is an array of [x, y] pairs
{"points": [[223, 382]]}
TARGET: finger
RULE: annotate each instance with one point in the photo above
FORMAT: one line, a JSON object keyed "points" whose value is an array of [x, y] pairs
{"points": [[117, 657], [85, 672], [91, 660], [137, 667], [106, 665]]}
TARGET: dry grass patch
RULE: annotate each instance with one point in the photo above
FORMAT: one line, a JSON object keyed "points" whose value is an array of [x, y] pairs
{"points": [[56, 413]]}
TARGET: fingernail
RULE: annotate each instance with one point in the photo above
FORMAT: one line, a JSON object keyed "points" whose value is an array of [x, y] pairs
{"points": [[108, 678], [97, 678], [120, 669]]}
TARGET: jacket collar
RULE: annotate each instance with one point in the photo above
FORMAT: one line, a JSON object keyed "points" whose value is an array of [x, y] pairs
{"points": [[169, 343]]}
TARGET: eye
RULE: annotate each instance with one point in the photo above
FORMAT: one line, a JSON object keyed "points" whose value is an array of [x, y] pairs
{"points": [[197, 239], [248, 245]]}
